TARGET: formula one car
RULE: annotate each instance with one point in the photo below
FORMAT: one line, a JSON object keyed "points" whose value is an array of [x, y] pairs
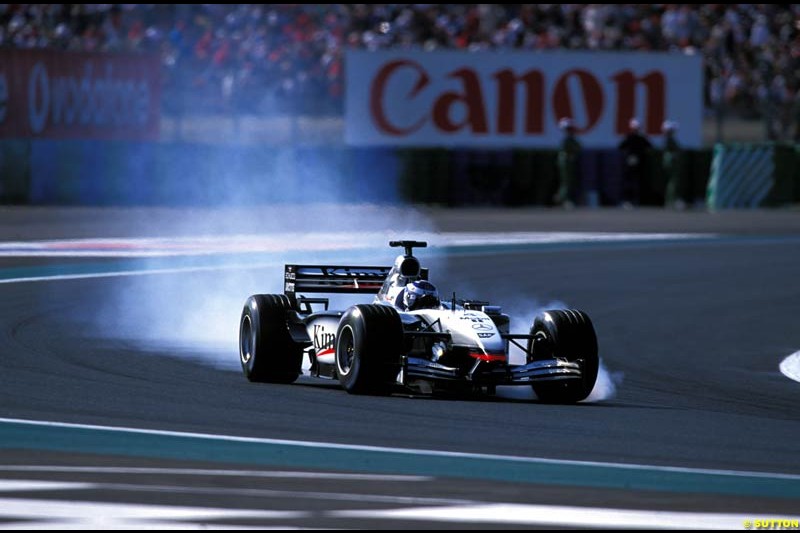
{"points": [[408, 337]]}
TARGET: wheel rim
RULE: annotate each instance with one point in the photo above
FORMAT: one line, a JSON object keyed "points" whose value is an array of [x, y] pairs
{"points": [[345, 351], [246, 340]]}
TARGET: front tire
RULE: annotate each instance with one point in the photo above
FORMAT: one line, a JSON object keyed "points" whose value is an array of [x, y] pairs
{"points": [[266, 350], [567, 334], [368, 349]]}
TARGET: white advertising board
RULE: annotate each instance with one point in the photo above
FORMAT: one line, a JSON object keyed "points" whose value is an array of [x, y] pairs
{"points": [[516, 99]]}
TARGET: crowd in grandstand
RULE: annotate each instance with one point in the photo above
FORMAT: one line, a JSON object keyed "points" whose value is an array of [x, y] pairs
{"points": [[261, 57]]}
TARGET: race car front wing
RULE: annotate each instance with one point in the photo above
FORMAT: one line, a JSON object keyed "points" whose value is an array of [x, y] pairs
{"points": [[489, 373]]}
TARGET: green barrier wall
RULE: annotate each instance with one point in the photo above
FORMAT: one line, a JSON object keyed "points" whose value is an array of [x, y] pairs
{"points": [[115, 172], [121, 173], [795, 164], [425, 175], [786, 176], [530, 177], [14, 171]]}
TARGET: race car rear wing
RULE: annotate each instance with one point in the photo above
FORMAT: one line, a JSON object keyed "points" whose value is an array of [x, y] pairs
{"points": [[333, 279]]}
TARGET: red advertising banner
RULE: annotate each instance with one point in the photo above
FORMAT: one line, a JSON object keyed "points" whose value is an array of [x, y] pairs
{"points": [[77, 95]]}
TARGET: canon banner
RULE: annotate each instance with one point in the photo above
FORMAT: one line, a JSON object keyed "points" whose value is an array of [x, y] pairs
{"points": [[506, 99], [61, 95]]}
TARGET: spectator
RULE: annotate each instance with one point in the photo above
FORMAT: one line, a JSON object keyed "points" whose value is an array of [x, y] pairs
{"points": [[567, 195], [634, 147], [671, 164]]}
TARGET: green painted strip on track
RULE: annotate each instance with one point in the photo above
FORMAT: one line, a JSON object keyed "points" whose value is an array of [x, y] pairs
{"points": [[15, 434]]}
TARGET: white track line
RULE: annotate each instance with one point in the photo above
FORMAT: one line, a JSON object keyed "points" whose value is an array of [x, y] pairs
{"points": [[145, 272], [25, 485], [238, 244], [579, 517], [281, 474], [790, 367], [122, 515], [302, 242]]}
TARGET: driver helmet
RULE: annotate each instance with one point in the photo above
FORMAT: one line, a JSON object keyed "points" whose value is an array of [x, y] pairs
{"points": [[420, 294]]}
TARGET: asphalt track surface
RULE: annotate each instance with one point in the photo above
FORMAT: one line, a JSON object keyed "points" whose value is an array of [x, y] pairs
{"points": [[692, 331]]}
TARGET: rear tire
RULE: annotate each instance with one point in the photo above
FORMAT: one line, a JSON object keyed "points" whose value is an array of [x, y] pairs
{"points": [[567, 334], [266, 350], [369, 341]]}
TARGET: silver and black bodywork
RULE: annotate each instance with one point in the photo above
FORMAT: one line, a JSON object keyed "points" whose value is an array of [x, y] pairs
{"points": [[375, 348]]}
